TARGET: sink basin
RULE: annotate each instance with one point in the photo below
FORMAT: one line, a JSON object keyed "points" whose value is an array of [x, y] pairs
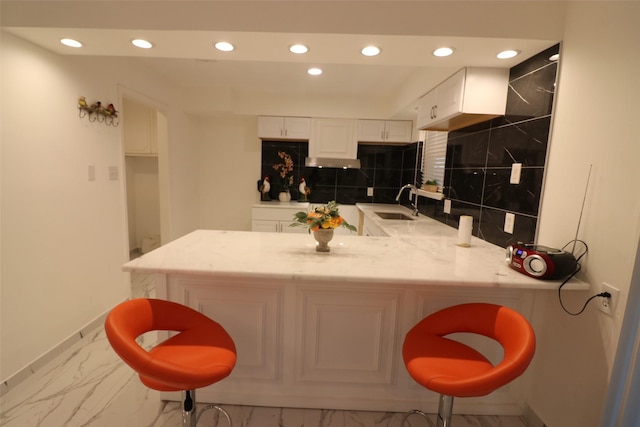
{"points": [[394, 215]]}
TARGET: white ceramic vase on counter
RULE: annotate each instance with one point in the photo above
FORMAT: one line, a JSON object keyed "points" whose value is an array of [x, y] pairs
{"points": [[323, 236], [284, 196]]}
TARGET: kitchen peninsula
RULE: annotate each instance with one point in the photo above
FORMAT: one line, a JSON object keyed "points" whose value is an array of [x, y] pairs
{"points": [[325, 330]]}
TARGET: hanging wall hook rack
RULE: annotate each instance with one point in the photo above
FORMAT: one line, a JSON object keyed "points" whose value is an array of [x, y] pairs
{"points": [[97, 112]]}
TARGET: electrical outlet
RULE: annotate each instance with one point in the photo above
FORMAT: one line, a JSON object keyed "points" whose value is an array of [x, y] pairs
{"points": [[447, 206], [369, 191], [509, 222], [608, 305], [516, 170]]}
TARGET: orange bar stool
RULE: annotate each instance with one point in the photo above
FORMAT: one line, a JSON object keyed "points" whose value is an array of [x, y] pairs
{"points": [[200, 354], [454, 369]]}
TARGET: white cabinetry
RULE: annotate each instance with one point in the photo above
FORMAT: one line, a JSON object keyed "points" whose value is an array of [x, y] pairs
{"points": [[391, 131], [275, 127], [470, 96], [333, 138], [317, 343], [277, 218], [140, 129]]}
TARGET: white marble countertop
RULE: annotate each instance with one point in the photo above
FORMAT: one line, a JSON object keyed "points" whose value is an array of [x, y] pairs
{"points": [[432, 259], [282, 205]]}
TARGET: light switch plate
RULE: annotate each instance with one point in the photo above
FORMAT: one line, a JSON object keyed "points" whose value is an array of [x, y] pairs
{"points": [[516, 171], [509, 221], [91, 173], [369, 191], [447, 206], [113, 173]]}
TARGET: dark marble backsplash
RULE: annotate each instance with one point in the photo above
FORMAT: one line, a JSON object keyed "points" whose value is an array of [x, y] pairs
{"points": [[479, 159], [385, 168]]}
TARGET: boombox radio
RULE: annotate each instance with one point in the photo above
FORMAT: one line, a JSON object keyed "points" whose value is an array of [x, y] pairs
{"points": [[541, 262]]}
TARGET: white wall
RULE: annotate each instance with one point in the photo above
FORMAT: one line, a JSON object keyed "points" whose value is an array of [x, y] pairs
{"points": [[64, 238], [596, 123]]}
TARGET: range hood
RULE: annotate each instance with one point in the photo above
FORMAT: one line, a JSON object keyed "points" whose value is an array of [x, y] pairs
{"points": [[325, 162]]}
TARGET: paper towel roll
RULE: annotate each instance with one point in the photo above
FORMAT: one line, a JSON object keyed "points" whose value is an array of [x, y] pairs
{"points": [[464, 231]]}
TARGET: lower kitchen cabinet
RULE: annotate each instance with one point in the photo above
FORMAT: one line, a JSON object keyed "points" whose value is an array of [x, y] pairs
{"points": [[277, 218], [337, 344]]}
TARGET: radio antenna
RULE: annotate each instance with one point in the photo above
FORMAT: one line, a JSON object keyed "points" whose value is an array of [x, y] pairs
{"points": [[573, 251]]}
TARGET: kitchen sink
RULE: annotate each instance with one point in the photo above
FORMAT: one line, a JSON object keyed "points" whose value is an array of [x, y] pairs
{"points": [[394, 215]]}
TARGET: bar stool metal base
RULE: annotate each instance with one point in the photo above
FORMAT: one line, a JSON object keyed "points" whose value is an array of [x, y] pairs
{"points": [[189, 417], [445, 410], [412, 412]]}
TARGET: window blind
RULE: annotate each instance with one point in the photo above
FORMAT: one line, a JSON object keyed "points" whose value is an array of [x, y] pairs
{"points": [[434, 155]]}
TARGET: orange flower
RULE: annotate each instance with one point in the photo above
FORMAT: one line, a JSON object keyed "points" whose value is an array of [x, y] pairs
{"points": [[322, 217]]}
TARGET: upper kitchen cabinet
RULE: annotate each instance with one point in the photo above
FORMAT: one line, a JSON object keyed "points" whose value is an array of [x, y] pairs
{"points": [[140, 129], [388, 131], [333, 138], [275, 127], [470, 96]]}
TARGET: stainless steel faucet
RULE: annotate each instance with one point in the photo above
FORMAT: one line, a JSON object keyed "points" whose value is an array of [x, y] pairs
{"points": [[406, 187], [413, 205]]}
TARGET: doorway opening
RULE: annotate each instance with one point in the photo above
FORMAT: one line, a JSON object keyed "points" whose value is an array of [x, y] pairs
{"points": [[145, 131]]}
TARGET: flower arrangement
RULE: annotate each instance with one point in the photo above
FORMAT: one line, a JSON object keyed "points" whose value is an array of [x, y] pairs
{"points": [[322, 217], [285, 170]]}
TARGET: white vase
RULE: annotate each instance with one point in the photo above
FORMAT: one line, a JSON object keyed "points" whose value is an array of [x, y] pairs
{"points": [[323, 236], [284, 196]]}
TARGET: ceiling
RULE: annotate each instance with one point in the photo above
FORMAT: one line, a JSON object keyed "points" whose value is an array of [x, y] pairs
{"points": [[183, 33]]}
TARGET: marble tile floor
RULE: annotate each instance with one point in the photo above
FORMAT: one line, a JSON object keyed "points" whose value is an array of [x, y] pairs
{"points": [[88, 385]]}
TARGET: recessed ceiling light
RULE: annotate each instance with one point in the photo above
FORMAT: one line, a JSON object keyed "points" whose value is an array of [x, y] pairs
{"points": [[71, 43], [370, 51], [443, 51], [143, 44], [506, 54], [314, 71], [224, 46], [554, 57], [299, 49]]}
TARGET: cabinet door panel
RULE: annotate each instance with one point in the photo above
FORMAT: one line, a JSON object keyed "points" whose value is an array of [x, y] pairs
{"points": [[270, 126], [371, 130], [450, 96], [350, 341], [140, 128], [297, 127], [265, 226], [250, 314], [399, 130], [333, 138], [426, 107]]}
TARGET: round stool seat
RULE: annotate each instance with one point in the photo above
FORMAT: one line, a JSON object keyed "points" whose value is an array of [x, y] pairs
{"points": [[200, 354], [451, 368]]}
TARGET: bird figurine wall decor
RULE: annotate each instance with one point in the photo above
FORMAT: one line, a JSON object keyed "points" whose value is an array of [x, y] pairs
{"points": [[304, 190], [264, 188], [111, 110]]}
